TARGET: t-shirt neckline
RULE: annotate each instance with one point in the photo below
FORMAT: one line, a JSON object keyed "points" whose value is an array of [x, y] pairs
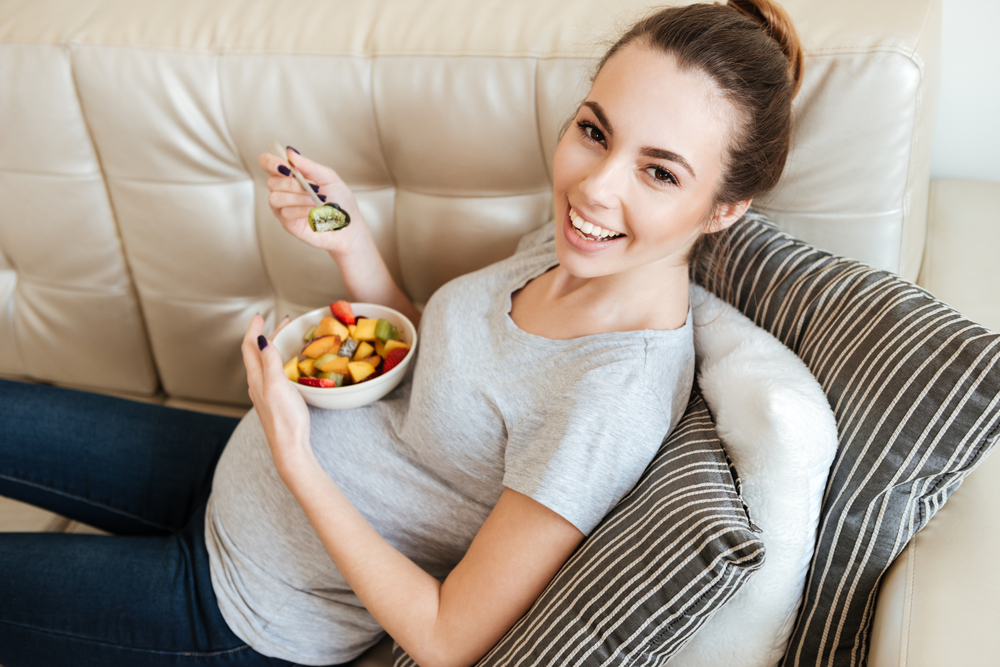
{"points": [[532, 271]]}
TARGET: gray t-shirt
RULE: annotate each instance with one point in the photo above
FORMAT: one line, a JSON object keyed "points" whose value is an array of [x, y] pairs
{"points": [[570, 423]]}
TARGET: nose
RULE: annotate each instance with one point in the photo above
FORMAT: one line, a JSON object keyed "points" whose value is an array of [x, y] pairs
{"points": [[603, 184]]}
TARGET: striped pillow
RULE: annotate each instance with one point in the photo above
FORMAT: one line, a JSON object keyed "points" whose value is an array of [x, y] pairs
{"points": [[673, 551], [915, 388]]}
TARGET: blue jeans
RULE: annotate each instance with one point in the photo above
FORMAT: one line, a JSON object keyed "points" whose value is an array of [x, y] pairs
{"points": [[142, 597]]}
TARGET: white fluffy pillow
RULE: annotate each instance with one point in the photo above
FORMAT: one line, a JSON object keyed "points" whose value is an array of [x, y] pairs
{"points": [[777, 427]]}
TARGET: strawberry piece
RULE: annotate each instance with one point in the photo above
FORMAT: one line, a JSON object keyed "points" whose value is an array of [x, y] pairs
{"points": [[317, 382], [342, 311], [393, 358]]}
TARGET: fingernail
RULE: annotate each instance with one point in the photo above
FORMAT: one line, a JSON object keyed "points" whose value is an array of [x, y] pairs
{"points": [[294, 151], [261, 342], [314, 187], [283, 170], [322, 197]]}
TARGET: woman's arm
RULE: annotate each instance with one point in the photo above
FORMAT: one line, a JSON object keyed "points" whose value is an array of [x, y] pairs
{"points": [[353, 248], [514, 555]]}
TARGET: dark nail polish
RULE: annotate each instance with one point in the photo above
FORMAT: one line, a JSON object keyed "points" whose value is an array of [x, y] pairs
{"points": [[294, 151], [314, 187], [261, 342], [283, 170], [322, 197]]}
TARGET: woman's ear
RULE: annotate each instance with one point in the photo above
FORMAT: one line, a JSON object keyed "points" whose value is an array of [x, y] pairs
{"points": [[727, 214]]}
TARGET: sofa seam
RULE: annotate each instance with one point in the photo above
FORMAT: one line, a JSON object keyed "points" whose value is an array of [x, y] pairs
{"points": [[536, 55], [915, 140], [538, 120], [904, 640], [217, 56], [133, 287]]}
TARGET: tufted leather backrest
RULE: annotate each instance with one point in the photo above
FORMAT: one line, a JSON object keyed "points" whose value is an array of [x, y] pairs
{"points": [[135, 237]]}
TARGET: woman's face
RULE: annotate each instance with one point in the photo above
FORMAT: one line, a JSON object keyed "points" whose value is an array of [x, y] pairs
{"points": [[639, 166]]}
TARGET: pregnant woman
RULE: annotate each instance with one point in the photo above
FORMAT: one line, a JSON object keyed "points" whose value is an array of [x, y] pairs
{"points": [[543, 386]]}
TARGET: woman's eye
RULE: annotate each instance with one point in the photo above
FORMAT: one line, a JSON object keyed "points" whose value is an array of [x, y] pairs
{"points": [[661, 174], [591, 132]]}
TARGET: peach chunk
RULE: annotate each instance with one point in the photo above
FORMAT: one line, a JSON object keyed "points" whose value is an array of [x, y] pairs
{"points": [[337, 365], [320, 345], [329, 326]]}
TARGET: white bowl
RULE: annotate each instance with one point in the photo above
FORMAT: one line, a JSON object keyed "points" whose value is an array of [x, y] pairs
{"points": [[289, 343]]}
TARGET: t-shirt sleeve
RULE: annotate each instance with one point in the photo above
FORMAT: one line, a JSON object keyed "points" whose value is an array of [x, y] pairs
{"points": [[582, 450]]}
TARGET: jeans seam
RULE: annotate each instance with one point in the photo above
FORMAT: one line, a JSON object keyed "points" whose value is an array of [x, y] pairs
{"points": [[86, 500], [88, 640]]}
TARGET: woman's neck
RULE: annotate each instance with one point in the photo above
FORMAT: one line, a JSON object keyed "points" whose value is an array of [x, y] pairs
{"points": [[559, 305]]}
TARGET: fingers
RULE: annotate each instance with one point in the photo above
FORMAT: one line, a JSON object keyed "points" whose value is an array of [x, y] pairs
{"points": [[270, 163], [313, 171], [270, 361], [250, 350], [261, 357], [284, 198], [281, 325]]}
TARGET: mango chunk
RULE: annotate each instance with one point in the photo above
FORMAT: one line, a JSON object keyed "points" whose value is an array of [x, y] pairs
{"points": [[306, 367], [365, 329], [292, 369], [360, 370], [393, 344], [364, 351]]}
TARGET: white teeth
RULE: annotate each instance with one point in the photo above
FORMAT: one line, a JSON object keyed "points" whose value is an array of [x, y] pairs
{"points": [[589, 228]]}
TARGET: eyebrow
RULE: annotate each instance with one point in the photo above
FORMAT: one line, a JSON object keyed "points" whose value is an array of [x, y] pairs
{"points": [[648, 151]]}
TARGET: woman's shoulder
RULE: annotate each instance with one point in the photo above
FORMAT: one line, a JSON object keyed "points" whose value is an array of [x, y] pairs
{"points": [[539, 236]]}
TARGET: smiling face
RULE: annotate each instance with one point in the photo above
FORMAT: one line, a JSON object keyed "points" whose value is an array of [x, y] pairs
{"points": [[636, 173]]}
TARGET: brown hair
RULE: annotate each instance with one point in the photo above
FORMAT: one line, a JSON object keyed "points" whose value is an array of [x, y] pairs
{"points": [[751, 51]]}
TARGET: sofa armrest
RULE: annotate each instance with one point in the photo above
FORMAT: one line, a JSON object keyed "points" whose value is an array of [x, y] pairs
{"points": [[960, 258], [938, 603]]}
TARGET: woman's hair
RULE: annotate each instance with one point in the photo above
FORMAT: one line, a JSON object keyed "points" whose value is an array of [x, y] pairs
{"points": [[751, 51]]}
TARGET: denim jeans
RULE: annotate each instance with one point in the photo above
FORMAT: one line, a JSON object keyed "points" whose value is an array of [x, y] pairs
{"points": [[142, 472]]}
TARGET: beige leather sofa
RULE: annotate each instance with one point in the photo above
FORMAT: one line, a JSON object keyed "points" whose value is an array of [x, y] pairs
{"points": [[136, 241]]}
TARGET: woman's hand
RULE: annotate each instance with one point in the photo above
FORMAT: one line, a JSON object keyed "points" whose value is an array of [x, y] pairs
{"points": [[362, 267], [280, 407], [290, 203]]}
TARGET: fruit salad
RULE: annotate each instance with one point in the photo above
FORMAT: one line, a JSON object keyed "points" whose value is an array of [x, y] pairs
{"points": [[342, 350]]}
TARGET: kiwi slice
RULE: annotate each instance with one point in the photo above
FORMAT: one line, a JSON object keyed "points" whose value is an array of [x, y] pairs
{"points": [[328, 218]]}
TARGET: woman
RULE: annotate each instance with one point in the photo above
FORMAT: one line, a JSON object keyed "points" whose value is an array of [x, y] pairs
{"points": [[543, 386]]}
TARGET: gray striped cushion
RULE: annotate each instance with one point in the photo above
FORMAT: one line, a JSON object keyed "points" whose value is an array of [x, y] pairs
{"points": [[672, 552], [916, 391]]}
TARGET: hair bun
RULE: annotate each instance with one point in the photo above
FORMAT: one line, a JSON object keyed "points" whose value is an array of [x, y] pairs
{"points": [[773, 18]]}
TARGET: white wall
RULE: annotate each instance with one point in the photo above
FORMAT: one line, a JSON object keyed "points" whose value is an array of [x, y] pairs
{"points": [[967, 129]]}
